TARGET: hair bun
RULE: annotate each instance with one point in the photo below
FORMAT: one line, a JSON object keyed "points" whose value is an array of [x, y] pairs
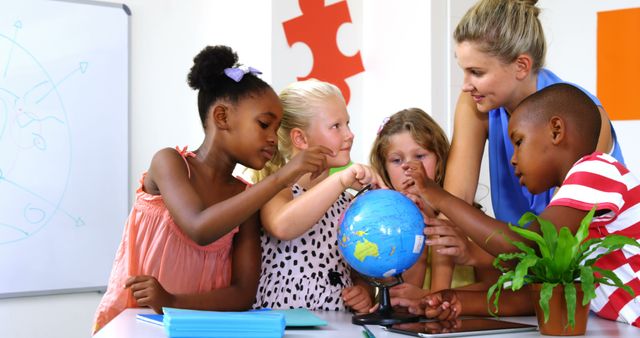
{"points": [[533, 5], [208, 66]]}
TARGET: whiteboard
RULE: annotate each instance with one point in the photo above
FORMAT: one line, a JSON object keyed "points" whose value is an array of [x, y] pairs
{"points": [[64, 97]]}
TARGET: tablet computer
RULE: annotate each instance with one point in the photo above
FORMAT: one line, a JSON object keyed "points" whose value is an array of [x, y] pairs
{"points": [[460, 327]]}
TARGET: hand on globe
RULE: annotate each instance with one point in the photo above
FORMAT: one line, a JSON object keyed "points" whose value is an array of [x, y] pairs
{"points": [[448, 239], [359, 175]]}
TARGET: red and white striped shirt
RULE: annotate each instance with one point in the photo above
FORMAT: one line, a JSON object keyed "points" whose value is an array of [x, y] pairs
{"points": [[600, 179]]}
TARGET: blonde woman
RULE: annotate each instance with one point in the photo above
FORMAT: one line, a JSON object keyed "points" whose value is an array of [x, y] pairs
{"points": [[500, 47]]}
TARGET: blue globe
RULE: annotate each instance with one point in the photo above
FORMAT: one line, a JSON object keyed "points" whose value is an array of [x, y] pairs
{"points": [[381, 233]]}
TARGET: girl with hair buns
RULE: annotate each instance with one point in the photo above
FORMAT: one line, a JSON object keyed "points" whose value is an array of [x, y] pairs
{"points": [[192, 239], [500, 47], [301, 264]]}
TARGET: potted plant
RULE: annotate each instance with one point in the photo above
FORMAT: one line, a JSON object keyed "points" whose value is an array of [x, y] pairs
{"points": [[562, 264]]}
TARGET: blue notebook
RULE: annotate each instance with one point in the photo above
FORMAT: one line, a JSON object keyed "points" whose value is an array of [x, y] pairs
{"points": [[217, 324], [293, 318]]}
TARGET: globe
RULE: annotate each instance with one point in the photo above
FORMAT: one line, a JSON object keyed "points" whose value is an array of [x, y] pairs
{"points": [[381, 233]]}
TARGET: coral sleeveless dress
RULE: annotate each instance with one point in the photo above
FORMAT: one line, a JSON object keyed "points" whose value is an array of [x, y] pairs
{"points": [[152, 244]]}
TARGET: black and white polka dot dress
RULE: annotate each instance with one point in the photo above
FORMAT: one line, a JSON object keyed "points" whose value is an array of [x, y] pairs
{"points": [[308, 271]]}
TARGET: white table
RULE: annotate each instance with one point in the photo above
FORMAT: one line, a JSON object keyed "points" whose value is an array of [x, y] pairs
{"points": [[125, 325]]}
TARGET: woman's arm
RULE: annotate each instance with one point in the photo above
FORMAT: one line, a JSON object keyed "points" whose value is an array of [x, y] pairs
{"points": [[238, 296], [605, 141], [205, 223], [470, 132]]}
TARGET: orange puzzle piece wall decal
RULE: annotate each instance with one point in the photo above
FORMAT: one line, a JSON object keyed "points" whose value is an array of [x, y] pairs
{"points": [[619, 63], [317, 27]]}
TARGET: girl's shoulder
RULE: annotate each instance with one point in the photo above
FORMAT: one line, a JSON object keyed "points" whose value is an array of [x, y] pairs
{"points": [[172, 157], [167, 162], [172, 154]]}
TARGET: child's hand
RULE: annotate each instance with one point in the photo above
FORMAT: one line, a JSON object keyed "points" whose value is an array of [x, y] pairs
{"points": [[358, 175], [408, 291], [453, 242], [148, 292], [419, 183], [443, 305], [312, 160], [357, 298], [414, 306]]}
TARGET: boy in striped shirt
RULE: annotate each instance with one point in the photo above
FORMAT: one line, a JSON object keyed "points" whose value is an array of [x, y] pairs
{"points": [[554, 133]]}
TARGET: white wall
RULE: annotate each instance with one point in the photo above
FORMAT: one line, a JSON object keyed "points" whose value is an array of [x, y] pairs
{"points": [[396, 55]]}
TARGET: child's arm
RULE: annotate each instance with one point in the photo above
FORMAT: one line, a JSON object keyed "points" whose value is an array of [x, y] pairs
{"points": [[441, 270], [484, 230], [443, 305], [511, 303], [449, 304], [238, 296], [286, 218], [205, 223]]}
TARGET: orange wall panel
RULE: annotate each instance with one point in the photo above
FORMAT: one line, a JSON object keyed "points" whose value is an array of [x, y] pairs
{"points": [[618, 77]]}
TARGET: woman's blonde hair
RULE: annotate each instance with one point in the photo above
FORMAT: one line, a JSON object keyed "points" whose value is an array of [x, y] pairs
{"points": [[298, 101], [423, 130], [505, 29]]}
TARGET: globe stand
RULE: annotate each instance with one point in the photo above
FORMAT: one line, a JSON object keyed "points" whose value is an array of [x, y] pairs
{"points": [[384, 315]]}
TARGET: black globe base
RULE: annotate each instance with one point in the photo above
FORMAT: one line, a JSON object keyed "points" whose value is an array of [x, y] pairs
{"points": [[384, 319], [385, 315]]}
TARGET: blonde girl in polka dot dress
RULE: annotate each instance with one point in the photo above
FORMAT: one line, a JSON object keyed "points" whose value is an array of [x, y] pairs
{"points": [[301, 264]]}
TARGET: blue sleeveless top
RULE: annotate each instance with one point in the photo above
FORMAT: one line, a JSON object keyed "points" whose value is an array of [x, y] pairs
{"points": [[509, 199]]}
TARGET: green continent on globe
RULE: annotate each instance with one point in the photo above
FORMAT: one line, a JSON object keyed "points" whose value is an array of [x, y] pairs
{"points": [[365, 249]]}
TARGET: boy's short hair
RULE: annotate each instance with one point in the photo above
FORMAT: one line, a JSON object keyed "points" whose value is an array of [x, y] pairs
{"points": [[571, 104]]}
